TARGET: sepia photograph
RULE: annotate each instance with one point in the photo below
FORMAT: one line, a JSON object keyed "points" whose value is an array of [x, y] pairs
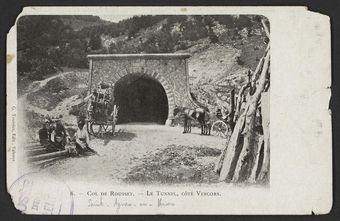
{"points": [[161, 99], [169, 110]]}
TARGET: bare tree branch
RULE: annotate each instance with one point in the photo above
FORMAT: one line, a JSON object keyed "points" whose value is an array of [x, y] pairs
{"points": [[266, 30]]}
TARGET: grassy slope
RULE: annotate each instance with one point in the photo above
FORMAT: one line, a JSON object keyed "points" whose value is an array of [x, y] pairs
{"points": [[53, 96], [52, 91]]}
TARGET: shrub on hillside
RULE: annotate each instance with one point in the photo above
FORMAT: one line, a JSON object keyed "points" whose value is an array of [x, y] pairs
{"points": [[213, 38], [162, 41], [95, 42], [74, 53], [194, 30], [75, 57], [40, 68], [239, 61], [55, 85], [121, 47]]}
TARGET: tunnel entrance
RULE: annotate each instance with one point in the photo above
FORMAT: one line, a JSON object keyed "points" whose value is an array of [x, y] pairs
{"points": [[140, 99]]}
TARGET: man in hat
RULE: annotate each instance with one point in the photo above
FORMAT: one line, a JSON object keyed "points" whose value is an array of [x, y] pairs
{"points": [[59, 136], [44, 134], [92, 103], [82, 138]]}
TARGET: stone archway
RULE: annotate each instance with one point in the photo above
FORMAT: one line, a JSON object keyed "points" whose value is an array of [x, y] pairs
{"points": [[141, 98], [169, 70]]}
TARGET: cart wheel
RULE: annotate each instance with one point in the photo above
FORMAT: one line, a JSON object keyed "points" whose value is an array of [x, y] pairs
{"points": [[88, 127], [96, 129], [219, 128], [114, 118], [105, 127], [113, 126]]}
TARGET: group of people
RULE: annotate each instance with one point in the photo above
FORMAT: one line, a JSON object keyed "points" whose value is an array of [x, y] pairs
{"points": [[53, 136]]}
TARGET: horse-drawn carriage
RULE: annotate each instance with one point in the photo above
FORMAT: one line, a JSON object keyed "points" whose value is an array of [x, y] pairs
{"points": [[101, 111], [220, 127], [214, 123]]}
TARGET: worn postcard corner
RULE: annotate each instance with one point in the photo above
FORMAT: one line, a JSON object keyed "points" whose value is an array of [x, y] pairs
{"points": [[169, 110]]}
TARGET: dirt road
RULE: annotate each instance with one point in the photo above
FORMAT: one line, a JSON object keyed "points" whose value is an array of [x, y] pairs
{"points": [[133, 143]]}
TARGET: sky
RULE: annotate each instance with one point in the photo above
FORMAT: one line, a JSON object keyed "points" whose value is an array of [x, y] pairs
{"points": [[115, 18]]}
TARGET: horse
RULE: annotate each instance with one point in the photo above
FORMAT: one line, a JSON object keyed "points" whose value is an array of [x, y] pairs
{"points": [[200, 114]]}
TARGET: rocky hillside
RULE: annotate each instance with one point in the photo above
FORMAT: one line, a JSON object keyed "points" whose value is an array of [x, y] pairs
{"points": [[222, 48], [216, 69]]}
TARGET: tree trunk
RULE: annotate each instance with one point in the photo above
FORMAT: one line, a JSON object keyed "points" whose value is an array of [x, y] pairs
{"points": [[232, 150], [264, 172], [219, 164], [232, 110], [265, 28], [246, 157], [236, 161], [240, 100], [252, 177], [246, 160], [49, 155]]}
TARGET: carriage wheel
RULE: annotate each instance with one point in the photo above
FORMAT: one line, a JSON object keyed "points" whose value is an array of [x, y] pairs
{"points": [[113, 126], [219, 128], [88, 127], [105, 127], [96, 129]]}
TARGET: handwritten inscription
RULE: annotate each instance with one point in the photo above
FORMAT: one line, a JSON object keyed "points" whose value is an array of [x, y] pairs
{"points": [[162, 203], [120, 200]]}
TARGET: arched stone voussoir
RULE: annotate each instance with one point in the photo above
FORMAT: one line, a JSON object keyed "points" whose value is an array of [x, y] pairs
{"points": [[155, 75], [115, 77], [120, 74], [143, 70], [166, 87], [147, 72], [126, 71], [129, 70], [163, 81]]}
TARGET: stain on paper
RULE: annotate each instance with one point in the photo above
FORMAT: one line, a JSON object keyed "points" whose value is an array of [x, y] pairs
{"points": [[9, 58]]}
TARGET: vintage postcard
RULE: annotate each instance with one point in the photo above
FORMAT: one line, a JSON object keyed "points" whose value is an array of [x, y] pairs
{"points": [[169, 110]]}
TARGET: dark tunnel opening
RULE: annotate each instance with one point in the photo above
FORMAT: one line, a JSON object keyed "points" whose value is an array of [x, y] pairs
{"points": [[140, 99]]}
